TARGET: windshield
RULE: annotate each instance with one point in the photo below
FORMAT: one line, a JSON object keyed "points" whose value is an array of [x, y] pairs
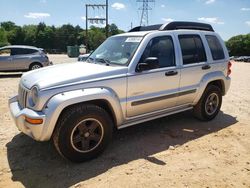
{"points": [[116, 50]]}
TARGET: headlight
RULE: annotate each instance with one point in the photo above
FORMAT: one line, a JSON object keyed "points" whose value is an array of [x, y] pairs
{"points": [[34, 96]]}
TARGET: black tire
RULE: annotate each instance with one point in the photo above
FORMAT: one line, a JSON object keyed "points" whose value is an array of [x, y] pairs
{"points": [[205, 109], [75, 136], [34, 66]]}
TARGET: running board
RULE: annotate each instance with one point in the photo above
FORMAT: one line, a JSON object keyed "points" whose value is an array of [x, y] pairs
{"points": [[152, 116]]}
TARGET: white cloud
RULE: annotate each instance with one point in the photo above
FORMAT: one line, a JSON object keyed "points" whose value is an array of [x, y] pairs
{"points": [[37, 15], [248, 23], [167, 19], [209, 2], [245, 9], [212, 20], [118, 6], [163, 6], [83, 18]]}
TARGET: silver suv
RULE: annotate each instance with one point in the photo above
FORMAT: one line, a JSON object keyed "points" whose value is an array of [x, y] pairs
{"points": [[13, 58], [147, 73]]}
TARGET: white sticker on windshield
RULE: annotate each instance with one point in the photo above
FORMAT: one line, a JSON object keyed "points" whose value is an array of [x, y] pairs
{"points": [[133, 39]]}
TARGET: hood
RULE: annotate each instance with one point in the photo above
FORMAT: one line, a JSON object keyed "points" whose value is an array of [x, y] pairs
{"points": [[69, 73]]}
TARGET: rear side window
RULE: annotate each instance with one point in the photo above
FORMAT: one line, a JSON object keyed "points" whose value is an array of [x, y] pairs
{"points": [[215, 47], [192, 49], [22, 51]]}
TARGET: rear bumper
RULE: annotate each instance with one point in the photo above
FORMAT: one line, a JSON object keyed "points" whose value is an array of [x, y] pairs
{"points": [[227, 84], [18, 114]]}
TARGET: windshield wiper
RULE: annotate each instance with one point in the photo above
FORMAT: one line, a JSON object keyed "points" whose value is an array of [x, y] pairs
{"points": [[106, 61], [90, 60]]}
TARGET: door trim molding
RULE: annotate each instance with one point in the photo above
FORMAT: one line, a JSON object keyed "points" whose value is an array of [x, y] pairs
{"points": [[155, 99]]}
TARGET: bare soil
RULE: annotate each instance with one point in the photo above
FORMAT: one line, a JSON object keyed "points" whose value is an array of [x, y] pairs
{"points": [[175, 151]]}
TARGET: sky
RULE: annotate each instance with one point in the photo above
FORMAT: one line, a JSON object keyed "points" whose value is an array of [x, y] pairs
{"points": [[228, 17]]}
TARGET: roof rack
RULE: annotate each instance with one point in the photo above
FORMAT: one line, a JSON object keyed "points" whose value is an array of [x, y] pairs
{"points": [[175, 26]]}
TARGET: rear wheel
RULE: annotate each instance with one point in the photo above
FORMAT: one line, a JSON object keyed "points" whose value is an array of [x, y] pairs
{"points": [[209, 105], [34, 66], [83, 132]]}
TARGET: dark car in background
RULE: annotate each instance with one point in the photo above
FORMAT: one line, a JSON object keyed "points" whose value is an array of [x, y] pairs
{"points": [[242, 58], [20, 57]]}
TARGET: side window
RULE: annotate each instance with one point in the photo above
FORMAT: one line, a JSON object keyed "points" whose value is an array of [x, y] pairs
{"points": [[192, 49], [4, 52], [15, 51], [30, 51], [22, 51], [163, 49], [215, 47]]}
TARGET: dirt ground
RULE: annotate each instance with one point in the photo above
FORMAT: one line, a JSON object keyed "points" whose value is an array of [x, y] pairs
{"points": [[175, 151]]}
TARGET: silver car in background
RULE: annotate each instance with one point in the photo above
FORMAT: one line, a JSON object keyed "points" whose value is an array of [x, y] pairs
{"points": [[83, 57], [19, 57]]}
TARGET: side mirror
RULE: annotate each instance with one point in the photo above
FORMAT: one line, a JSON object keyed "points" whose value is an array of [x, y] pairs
{"points": [[148, 64]]}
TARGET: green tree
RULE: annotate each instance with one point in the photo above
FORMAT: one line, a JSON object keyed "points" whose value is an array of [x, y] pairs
{"points": [[239, 45], [29, 34], [8, 26], [51, 37], [3, 38]]}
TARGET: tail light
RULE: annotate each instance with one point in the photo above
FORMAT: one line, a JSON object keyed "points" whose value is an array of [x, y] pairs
{"points": [[229, 65]]}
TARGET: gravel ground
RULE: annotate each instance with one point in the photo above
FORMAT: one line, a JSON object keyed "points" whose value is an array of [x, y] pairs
{"points": [[175, 151]]}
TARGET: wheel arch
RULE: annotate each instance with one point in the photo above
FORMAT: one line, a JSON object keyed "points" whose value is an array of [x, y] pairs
{"points": [[33, 63], [220, 84], [103, 103], [101, 97], [214, 78]]}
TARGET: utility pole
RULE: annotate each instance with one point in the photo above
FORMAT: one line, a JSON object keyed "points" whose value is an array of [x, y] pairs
{"points": [[107, 18], [95, 19], [145, 8]]}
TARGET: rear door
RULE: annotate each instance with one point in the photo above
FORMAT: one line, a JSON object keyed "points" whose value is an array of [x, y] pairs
{"points": [[194, 66], [21, 58]]}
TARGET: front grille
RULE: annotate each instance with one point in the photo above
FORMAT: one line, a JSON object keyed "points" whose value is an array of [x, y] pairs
{"points": [[22, 96]]}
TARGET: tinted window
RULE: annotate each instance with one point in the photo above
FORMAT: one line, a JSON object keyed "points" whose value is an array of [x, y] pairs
{"points": [[163, 49], [192, 49], [215, 47], [22, 51]]}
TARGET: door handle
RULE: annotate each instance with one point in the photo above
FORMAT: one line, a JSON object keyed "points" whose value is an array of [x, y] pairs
{"points": [[171, 73], [205, 67]]}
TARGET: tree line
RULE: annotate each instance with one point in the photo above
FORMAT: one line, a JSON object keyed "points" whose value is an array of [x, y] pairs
{"points": [[239, 45], [56, 39], [51, 38]]}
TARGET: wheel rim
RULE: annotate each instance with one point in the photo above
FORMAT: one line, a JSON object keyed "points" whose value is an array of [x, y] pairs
{"points": [[212, 103], [86, 135], [35, 67]]}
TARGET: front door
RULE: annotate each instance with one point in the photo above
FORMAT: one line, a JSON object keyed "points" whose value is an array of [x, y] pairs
{"points": [[5, 59], [154, 89]]}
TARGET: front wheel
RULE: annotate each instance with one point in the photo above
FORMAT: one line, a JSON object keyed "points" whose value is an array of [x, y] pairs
{"points": [[209, 105], [83, 132]]}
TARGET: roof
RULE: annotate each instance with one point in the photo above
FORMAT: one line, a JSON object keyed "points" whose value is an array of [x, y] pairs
{"points": [[21, 46], [177, 25]]}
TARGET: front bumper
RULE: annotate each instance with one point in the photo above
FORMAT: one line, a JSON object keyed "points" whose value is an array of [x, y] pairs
{"points": [[18, 114]]}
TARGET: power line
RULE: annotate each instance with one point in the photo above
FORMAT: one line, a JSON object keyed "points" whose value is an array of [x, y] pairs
{"points": [[96, 20], [145, 8]]}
